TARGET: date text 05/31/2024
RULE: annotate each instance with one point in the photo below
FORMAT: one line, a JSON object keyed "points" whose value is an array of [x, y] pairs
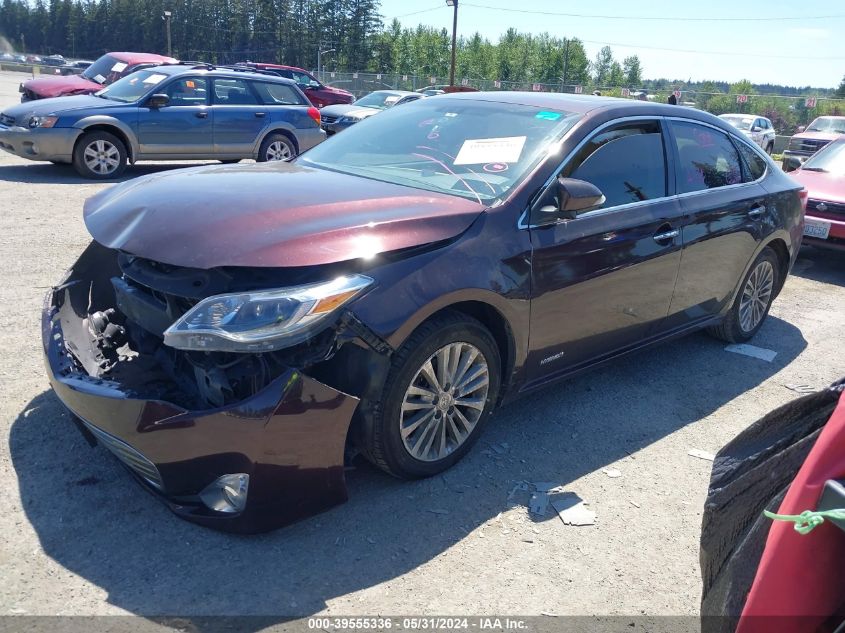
{"points": [[431, 623]]}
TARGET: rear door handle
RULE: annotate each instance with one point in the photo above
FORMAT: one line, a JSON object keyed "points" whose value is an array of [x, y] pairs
{"points": [[757, 212], [260, 114], [665, 236], [201, 115]]}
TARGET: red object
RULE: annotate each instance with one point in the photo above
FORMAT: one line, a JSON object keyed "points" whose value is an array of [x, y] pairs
{"points": [[826, 192], [801, 579], [320, 95], [314, 113], [48, 87]]}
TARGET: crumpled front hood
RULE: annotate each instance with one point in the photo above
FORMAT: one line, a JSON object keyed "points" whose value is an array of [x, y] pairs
{"points": [[269, 215], [57, 86], [822, 185]]}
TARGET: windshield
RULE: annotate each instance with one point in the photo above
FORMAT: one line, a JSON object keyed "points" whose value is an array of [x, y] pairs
{"points": [[828, 124], [105, 70], [474, 149], [379, 99], [132, 87], [739, 122], [830, 159]]}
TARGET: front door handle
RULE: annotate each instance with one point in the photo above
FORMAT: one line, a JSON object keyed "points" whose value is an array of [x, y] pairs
{"points": [[201, 115], [757, 212], [665, 236], [260, 115]]}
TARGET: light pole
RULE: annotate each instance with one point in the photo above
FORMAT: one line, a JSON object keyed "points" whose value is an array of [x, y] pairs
{"points": [[166, 17], [320, 61], [454, 4]]}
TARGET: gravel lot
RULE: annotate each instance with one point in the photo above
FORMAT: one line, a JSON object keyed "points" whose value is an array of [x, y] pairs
{"points": [[78, 536]]}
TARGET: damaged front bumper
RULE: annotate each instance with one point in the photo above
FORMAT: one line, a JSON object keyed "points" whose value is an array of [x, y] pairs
{"points": [[288, 437]]}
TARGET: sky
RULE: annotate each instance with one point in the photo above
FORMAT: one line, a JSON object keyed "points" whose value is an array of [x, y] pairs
{"points": [[715, 39]]}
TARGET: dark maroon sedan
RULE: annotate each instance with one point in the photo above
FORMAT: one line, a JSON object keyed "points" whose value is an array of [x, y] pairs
{"points": [[232, 329]]}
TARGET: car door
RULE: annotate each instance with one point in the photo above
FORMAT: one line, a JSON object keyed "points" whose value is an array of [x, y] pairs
{"points": [[181, 128], [239, 118], [725, 218], [603, 280]]}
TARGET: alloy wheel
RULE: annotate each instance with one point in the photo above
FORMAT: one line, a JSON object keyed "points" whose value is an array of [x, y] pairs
{"points": [[101, 157], [444, 401], [278, 150], [756, 296]]}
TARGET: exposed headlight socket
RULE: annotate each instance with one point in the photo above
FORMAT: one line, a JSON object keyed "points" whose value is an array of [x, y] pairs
{"points": [[227, 493]]}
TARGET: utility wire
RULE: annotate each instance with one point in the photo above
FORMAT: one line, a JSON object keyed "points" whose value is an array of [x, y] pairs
{"points": [[656, 18]]}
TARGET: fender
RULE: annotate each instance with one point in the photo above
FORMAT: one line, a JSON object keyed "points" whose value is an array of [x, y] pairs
{"points": [[126, 130], [274, 126]]}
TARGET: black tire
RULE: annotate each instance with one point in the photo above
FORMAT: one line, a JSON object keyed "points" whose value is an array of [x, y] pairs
{"points": [[270, 143], [770, 148], [731, 328], [88, 141], [380, 439]]}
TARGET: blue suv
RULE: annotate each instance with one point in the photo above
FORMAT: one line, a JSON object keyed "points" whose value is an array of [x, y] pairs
{"points": [[174, 112]]}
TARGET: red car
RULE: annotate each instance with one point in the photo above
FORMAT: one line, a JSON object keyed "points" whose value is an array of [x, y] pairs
{"points": [[823, 175], [318, 93], [107, 69]]}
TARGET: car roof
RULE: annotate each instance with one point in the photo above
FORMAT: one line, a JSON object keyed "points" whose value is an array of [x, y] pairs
{"points": [[590, 105], [142, 58], [276, 66], [215, 71], [398, 93]]}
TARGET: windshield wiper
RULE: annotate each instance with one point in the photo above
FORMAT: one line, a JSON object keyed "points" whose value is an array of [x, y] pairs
{"points": [[813, 169]]}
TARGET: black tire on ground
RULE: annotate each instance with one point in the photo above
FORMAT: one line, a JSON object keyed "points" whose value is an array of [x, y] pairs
{"points": [[380, 439], [276, 145], [96, 145], [770, 148], [731, 329]]}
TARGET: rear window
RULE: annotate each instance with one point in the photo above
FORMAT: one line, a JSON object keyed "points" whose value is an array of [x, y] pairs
{"points": [[277, 94], [233, 92], [706, 158]]}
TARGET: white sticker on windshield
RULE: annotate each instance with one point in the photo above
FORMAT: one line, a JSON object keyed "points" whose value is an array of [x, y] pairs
{"points": [[100, 79], [481, 151], [155, 79], [119, 67]]}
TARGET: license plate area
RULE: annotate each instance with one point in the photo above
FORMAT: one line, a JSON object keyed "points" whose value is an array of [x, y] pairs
{"points": [[816, 228]]}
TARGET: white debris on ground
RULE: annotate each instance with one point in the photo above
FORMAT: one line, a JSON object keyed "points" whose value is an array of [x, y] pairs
{"points": [[753, 351], [694, 452], [613, 473], [538, 496], [572, 510]]}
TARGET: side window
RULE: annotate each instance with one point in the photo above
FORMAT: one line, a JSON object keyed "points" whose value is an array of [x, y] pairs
{"points": [[277, 94], [706, 158], [755, 166], [233, 92], [626, 163], [303, 79], [190, 91]]}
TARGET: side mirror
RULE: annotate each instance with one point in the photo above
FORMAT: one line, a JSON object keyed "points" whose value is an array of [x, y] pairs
{"points": [[756, 128], [313, 85], [800, 129], [158, 100], [573, 198], [790, 163]]}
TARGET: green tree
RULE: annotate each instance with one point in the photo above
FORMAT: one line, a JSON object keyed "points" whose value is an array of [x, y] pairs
{"points": [[616, 77], [633, 70], [602, 66], [840, 91]]}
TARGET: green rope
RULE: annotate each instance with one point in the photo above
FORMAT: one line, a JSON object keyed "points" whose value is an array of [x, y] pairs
{"points": [[808, 520]]}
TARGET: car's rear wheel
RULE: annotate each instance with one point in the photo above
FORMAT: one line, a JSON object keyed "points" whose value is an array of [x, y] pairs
{"points": [[753, 301], [276, 147], [441, 389], [770, 148], [99, 155]]}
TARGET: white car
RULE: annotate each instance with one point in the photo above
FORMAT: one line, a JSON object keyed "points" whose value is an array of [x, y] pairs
{"points": [[758, 128]]}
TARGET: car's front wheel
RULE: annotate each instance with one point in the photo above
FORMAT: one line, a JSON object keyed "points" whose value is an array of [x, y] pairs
{"points": [[276, 147], [99, 155], [753, 301], [441, 389]]}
